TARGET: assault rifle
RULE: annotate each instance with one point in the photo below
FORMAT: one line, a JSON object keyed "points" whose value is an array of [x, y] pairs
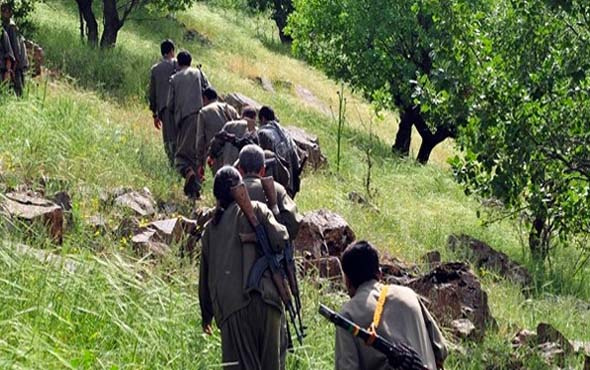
{"points": [[268, 184], [399, 355], [240, 195]]}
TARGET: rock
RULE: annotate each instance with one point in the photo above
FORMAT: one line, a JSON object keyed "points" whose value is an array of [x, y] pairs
{"points": [[194, 35], [327, 268], [323, 233], [547, 333], [36, 57], [581, 347], [98, 222], [482, 255], [310, 99], [524, 338], [239, 101], [284, 84], [42, 256], [142, 203], [128, 227], [454, 292], [463, 328], [32, 208], [156, 237], [309, 144], [396, 271], [265, 83], [432, 258], [552, 353]]}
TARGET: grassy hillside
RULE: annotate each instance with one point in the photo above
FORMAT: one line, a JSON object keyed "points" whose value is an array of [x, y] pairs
{"points": [[88, 130]]}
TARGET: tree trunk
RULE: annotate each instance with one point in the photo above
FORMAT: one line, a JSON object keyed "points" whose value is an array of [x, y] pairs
{"points": [[85, 8], [539, 239], [282, 9], [429, 140], [403, 138], [112, 24]]}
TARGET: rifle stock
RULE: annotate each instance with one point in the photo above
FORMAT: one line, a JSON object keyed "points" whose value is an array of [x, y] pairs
{"points": [[268, 185], [240, 195]]}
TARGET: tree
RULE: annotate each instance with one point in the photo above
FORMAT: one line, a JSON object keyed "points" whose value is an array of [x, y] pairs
{"points": [[116, 13], [526, 141], [411, 55], [281, 9]]}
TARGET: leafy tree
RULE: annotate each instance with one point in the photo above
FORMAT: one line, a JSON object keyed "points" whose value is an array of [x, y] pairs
{"points": [[281, 9], [411, 55], [526, 141], [116, 13]]}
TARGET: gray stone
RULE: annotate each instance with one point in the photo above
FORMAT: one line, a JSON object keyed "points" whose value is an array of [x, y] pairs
{"points": [[463, 328], [33, 208], [239, 101], [142, 203], [324, 233], [524, 338], [484, 256], [547, 333], [309, 144], [310, 99]]}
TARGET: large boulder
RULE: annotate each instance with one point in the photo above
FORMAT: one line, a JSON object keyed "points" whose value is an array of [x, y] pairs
{"points": [[157, 236], [484, 256], [323, 233], [239, 101], [309, 144], [454, 292], [33, 208]]}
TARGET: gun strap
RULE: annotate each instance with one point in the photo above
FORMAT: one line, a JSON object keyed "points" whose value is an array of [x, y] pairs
{"points": [[377, 315]]}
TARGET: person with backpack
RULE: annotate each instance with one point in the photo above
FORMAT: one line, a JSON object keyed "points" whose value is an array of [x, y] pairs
{"points": [[17, 42], [273, 137]]}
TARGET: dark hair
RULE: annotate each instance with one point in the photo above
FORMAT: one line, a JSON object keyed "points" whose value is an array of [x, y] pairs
{"points": [[267, 113], [248, 111], [360, 263], [166, 46], [210, 93], [251, 159], [184, 58], [225, 179]]}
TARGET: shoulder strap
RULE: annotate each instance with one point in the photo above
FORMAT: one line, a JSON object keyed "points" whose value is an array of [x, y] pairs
{"points": [[378, 313]]}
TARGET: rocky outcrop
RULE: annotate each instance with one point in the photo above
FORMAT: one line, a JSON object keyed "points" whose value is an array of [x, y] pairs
{"points": [[309, 144], [484, 256], [239, 101], [323, 233]]}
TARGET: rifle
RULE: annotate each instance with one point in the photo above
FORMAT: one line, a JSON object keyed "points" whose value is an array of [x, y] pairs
{"points": [[268, 185], [399, 355], [240, 195]]}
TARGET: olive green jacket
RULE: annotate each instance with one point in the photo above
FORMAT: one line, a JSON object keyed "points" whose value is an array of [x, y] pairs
{"points": [[229, 251]]}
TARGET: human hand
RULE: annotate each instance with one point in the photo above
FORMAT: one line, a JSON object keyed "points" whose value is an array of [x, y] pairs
{"points": [[157, 123], [207, 329]]}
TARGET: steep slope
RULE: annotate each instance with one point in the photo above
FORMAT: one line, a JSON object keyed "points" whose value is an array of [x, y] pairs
{"points": [[88, 130]]}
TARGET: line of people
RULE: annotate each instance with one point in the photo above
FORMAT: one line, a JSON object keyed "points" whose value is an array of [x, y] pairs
{"points": [[13, 52], [201, 131]]}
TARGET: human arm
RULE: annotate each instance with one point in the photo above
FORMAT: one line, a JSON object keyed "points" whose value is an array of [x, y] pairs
{"points": [[288, 214], [201, 142], [204, 293], [153, 101]]}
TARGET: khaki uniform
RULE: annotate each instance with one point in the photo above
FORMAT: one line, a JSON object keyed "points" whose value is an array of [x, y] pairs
{"points": [[5, 52], [249, 318], [159, 89], [404, 319], [288, 215], [211, 120], [185, 100]]}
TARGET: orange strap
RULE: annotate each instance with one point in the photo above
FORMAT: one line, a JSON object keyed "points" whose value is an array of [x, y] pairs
{"points": [[377, 315]]}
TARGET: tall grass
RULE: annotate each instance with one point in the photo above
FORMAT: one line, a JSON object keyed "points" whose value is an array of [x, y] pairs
{"points": [[89, 131]]}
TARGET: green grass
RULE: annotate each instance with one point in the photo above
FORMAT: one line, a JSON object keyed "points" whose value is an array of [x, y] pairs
{"points": [[89, 130]]}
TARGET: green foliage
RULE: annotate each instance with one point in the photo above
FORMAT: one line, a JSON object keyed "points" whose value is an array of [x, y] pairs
{"points": [[409, 55], [21, 10], [526, 143]]}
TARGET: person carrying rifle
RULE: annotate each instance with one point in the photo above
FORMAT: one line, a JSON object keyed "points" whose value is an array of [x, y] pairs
{"points": [[17, 42], [252, 168], [248, 317], [393, 312]]}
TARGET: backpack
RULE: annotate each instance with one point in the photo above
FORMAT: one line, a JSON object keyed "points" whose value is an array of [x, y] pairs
{"points": [[272, 137]]}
